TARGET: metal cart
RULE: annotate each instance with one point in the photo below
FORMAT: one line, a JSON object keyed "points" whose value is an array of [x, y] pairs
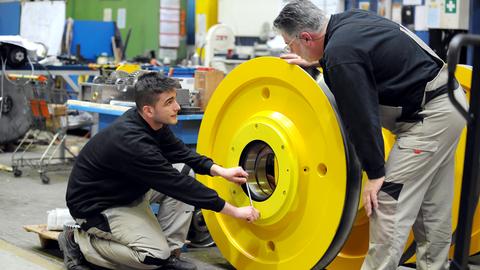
{"points": [[50, 125]]}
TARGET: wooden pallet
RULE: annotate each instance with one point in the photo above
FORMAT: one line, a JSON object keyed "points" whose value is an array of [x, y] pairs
{"points": [[48, 239]]}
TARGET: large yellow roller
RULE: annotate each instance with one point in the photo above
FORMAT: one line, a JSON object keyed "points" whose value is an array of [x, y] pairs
{"points": [[273, 119]]}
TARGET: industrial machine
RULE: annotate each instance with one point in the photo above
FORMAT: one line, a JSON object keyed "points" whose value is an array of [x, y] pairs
{"points": [[14, 110], [220, 49], [15, 115], [282, 126], [220, 40], [117, 86]]}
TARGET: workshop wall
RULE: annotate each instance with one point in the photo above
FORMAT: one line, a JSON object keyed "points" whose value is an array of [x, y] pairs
{"points": [[10, 19], [141, 16]]}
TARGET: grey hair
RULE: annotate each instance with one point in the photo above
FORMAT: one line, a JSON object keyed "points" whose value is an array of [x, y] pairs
{"points": [[298, 16]]}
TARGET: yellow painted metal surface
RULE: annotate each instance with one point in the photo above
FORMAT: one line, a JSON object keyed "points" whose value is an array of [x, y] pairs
{"points": [[209, 9], [129, 68], [206, 15], [268, 100]]}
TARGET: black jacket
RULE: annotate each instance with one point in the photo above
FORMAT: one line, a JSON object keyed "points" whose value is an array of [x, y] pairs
{"points": [[125, 160], [369, 61]]}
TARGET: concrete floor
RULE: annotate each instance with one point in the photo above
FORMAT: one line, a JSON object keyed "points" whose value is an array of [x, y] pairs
{"points": [[25, 200]]}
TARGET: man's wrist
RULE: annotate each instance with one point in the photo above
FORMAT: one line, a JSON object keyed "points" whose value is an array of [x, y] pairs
{"points": [[216, 170], [228, 209]]}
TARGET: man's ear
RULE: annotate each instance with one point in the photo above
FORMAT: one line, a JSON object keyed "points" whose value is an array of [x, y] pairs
{"points": [[306, 37], [147, 111]]}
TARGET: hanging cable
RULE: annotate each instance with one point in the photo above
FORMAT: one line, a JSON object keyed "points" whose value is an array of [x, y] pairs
{"points": [[4, 71]]}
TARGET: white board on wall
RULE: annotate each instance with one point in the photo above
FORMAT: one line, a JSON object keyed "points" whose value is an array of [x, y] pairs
{"points": [[248, 17], [43, 22]]}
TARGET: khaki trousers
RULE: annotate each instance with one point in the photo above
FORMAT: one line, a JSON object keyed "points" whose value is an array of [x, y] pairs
{"points": [[418, 190], [132, 237]]}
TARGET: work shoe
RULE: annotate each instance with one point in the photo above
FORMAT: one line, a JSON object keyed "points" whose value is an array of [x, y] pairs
{"points": [[72, 256], [175, 262]]}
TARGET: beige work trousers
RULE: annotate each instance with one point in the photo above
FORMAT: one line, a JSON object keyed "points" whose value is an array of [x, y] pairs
{"points": [[137, 238], [418, 190]]}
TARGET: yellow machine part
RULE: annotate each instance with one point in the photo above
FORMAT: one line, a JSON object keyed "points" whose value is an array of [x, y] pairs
{"points": [[355, 249], [128, 68], [206, 15], [272, 118], [266, 107]]}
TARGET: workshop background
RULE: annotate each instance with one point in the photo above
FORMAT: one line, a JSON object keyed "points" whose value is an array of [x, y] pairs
{"points": [[67, 71]]}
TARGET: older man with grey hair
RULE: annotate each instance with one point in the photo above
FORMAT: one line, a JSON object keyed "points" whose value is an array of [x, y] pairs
{"points": [[383, 75]]}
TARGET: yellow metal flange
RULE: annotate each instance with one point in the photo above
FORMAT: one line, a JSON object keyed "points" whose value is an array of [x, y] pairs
{"points": [[275, 121]]}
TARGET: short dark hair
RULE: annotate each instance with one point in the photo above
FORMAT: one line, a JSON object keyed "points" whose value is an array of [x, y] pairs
{"points": [[298, 16], [149, 85]]}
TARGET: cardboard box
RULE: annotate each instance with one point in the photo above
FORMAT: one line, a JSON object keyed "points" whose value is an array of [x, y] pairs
{"points": [[57, 109], [57, 118], [206, 81]]}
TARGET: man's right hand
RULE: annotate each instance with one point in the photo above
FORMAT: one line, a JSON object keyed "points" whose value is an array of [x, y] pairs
{"points": [[295, 59], [370, 191], [248, 213]]}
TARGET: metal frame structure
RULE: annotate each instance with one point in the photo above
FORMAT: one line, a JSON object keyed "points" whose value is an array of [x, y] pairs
{"points": [[64, 71]]}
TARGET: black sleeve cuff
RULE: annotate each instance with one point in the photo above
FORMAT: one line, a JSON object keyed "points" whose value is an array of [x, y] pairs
{"points": [[218, 205], [204, 167], [209, 165], [375, 174]]}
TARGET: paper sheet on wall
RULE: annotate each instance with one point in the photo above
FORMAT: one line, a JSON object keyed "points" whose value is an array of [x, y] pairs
{"points": [[167, 40], [43, 22], [384, 8], [169, 15], [329, 6], [397, 12], [421, 18], [121, 18], [433, 18], [412, 2], [169, 27], [170, 3], [107, 14], [364, 5]]}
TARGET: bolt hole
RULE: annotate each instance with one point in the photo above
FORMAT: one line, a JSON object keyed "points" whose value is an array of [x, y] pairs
{"points": [[271, 245], [266, 93], [322, 169], [306, 169]]}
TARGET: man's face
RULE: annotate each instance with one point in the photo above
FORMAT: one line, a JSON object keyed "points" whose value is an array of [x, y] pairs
{"points": [[166, 109], [303, 47]]}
